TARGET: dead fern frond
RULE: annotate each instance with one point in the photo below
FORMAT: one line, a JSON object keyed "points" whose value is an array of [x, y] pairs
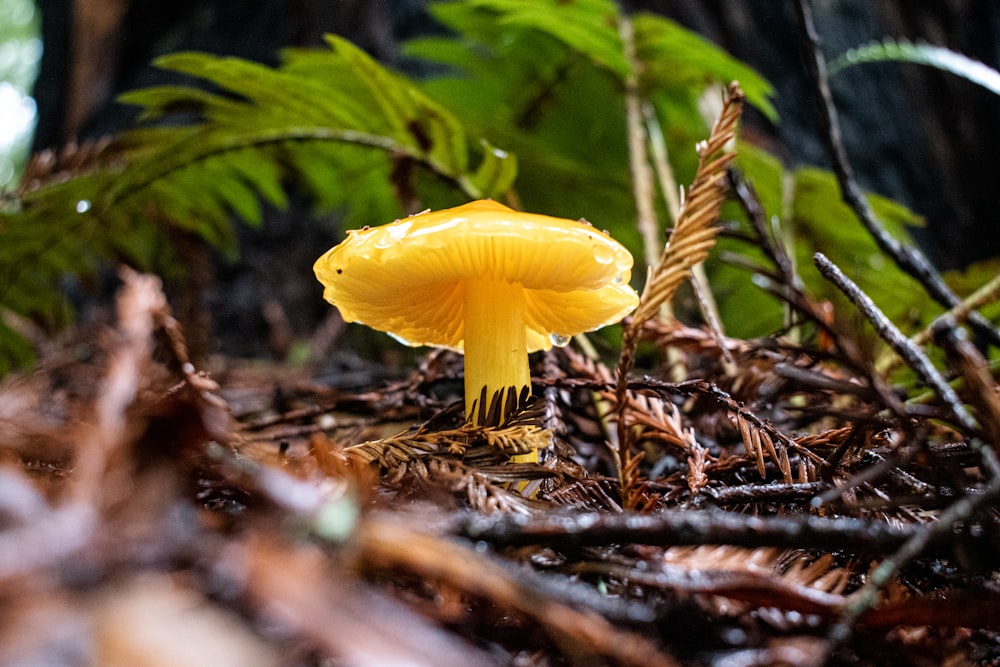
{"points": [[660, 420], [694, 340], [724, 558], [591, 493], [511, 431], [694, 234], [830, 438], [406, 451], [517, 439], [741, 578], [819, 573], [484, 495], [583, 366], [698, 461], [636, 493], [508, 407], [759, 443]]}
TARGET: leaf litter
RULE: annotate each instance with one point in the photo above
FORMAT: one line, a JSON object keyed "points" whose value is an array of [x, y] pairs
{"points": [[781, 504]]}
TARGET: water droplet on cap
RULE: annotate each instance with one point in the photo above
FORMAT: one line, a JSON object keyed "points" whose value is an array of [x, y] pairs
{"points": [[603, 255], [559, 340]]}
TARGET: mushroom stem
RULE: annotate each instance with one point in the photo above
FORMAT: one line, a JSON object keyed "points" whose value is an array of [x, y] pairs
{"points": [[496, 351]]}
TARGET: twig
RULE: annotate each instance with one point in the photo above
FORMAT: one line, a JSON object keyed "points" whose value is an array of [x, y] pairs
{"points": [[749, 200], [348, 619], [216, 416], [907, 257], [782, 593], [689, 528], [864, 598], [46, 538], [50, 535], [765, 493], [904, 347], [986, 294], [968, 361]]}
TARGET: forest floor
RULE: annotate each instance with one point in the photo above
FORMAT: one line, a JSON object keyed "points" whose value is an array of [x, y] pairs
{"points": [[777, 510]]}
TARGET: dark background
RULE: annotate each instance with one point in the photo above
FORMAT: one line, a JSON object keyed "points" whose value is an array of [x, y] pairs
{"points": [[923, 137]]}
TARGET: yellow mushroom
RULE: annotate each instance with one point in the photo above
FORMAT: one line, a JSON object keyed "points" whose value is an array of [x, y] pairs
{"points": [[483, 279]]}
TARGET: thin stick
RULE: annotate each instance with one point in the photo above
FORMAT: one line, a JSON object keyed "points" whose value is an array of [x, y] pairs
{"points": [[579, 633], [866, 596], [692, 527], [904, 347], [642, 174]]}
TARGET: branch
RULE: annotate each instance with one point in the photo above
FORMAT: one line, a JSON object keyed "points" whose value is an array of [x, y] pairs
{"points": [[904, 347], [688, 528]]}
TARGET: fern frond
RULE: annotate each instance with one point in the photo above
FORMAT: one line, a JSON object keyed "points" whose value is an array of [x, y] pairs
{"points": [[404, 451], [508, 407], [920, 53], [693, 236], [334, 120], [586, 26], [695, 231], [672, 55]]}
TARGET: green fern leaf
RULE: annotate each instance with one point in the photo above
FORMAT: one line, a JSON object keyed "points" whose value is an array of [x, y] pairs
{"points": [[920, 53], [334, 120], [497, 171], [673, 57], [669, 53], [587, 26]]}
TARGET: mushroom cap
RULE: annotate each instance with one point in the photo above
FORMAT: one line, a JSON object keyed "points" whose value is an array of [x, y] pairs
{"points": [[407, 277]]}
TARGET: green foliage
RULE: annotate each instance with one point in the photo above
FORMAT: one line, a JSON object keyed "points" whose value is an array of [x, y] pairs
{"points": [[587, 27], [674, 60], [526, 103], [972, 278], [813, 218], [532, 87], [334, 119], [544, 79], [946, 60], [823, 222]]}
